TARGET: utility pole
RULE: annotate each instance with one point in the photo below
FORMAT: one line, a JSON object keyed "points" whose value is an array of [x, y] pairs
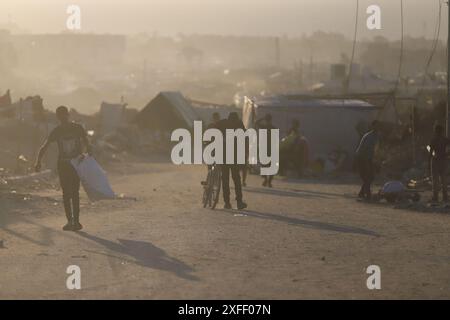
{"points": [[448, 75]]}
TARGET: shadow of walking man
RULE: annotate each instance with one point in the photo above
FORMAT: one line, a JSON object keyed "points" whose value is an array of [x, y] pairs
{"points": [[145, 254], [309, 224]]}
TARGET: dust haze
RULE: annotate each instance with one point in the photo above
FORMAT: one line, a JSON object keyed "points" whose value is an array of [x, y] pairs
{"points": [[211, 50], [137, 70]]}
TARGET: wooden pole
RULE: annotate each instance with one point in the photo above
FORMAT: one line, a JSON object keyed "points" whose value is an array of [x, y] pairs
{"points": [[448, 75]]}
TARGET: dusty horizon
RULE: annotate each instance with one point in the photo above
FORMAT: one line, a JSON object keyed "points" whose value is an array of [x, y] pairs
{"points": [[249, 18]]}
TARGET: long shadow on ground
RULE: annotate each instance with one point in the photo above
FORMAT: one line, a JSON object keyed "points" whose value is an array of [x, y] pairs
{"points": [[146, 255], [308, 224], [11, 212], [285, 193]]}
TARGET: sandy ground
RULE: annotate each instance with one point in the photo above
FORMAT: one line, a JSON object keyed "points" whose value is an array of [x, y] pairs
{"points": [[300, 240]]}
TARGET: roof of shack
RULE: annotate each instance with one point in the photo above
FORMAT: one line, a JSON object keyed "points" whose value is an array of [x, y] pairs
{"points": [[296, 101]]}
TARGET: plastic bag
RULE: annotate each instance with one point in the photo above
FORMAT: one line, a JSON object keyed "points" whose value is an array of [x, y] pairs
{"points": [[93, 179]]}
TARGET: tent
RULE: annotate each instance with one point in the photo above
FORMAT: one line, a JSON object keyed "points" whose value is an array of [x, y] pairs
{"points": [[328, 124], [168, 111]]}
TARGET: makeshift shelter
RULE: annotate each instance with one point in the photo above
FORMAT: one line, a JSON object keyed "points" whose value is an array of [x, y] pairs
{"points": [[5, 100], [328, 124], [28, 109], [111, 116], [205, 109], [166, 112]]}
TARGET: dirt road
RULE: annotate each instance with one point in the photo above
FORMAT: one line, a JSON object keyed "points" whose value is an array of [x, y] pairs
{"points": [[298, 240]]}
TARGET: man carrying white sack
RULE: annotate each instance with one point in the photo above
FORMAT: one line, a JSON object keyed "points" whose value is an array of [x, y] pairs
{"points": [[72, 143]]}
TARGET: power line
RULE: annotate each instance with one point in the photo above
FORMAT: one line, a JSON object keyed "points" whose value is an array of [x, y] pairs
{"points": [[448, 75], [350, 67], [400, 63], [435, 43]]}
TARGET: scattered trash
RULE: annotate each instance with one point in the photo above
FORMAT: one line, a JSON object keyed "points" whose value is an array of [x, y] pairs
{"points": [[395, 191], [22, 158], [124, 197], [239, 215], [29, 177]]}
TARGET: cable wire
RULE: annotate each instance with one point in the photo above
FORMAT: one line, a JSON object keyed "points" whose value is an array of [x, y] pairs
{"points": [[435, 43], [350, 67], [400, 63]]}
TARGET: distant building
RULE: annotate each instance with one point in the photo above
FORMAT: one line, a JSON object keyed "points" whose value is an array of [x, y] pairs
{"points": [[65, 49]]}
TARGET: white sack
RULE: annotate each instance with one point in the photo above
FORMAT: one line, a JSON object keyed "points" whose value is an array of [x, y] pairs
{"points": [[93, 179]]}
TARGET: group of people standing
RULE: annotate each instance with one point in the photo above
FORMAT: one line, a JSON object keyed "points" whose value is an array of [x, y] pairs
{"points": [[437, 157], [295, 149]]}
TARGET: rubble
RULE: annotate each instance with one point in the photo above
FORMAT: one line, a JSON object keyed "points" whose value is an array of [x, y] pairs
{"points": [[34, 177]]}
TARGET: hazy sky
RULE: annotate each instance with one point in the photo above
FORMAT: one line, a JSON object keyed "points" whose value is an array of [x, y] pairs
{"points": [[250, 17]]}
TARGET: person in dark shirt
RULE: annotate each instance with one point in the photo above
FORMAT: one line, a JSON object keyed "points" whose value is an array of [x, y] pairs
{"points": [[364, 156], [294, 150], [233, 122], [72, 142], [214, 120], [212, 125], [266, 124], [438, 160]]}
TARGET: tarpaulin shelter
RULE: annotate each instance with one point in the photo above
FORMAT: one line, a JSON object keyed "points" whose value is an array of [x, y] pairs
{"points": [[328, 124], [168, 111]]}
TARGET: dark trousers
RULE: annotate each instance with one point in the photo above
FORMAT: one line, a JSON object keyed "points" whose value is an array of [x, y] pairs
{"points": [[268, 179], [70, 185], [235, 174], [439, 176], [244, 169], [367, 174]]}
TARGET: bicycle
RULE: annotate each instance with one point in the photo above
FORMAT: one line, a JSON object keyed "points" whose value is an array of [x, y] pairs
{"points": [[211, 187]]}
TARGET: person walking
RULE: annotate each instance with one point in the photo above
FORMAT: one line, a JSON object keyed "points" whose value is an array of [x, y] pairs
{"points": [[364, 157], [266, 124], [438, 162], [72, 143], [232, 122]]}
